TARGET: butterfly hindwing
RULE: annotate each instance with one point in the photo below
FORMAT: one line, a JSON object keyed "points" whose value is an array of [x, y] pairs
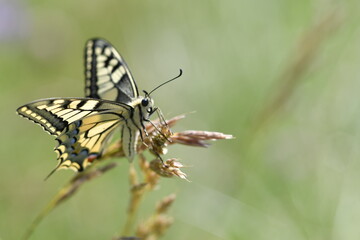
{"points": [[106, 73], [84, 139]]}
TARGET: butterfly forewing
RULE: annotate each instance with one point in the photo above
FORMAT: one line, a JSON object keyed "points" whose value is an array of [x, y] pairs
{"points": [[55, 114], [106, 73]]}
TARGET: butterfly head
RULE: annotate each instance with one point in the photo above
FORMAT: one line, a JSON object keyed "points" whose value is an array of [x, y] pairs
{"points": [[147, 106]]}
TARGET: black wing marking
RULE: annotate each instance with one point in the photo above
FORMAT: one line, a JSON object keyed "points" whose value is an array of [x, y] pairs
{"points": [[55, 114], [106, 73]]}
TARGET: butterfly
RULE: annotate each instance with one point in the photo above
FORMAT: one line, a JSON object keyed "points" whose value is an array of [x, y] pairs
{"points": [[83, 126]]}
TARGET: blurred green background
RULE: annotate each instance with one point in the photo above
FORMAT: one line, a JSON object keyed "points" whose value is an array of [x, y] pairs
{"points": [[282, 76]]}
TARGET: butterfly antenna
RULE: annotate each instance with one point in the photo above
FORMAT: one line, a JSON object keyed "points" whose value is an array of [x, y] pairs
{"points": [[165, 82]]}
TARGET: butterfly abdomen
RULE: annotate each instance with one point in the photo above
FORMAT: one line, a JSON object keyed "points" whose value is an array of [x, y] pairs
{"points": [[129, 139]]}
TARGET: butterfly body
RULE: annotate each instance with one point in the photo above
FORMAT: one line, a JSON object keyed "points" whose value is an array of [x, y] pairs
{"points": [[83, 126], [130, 132]]}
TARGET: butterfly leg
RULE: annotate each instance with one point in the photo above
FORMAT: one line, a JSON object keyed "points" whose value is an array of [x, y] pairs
{"points": [[162, 161], [142, 137], [163, 121], [161, 117], [157, 129]]}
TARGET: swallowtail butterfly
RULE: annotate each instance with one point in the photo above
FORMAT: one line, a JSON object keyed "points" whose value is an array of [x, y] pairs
{"points": [[83, 126]]}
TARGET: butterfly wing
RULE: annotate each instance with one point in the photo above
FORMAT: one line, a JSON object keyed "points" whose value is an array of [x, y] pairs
{"points": [[84, 140], [82, 126], [106, 73], [55, 114]]}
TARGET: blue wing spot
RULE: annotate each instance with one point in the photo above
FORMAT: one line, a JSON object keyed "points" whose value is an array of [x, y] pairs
{"points": [[78, 122], [84, 152]]}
